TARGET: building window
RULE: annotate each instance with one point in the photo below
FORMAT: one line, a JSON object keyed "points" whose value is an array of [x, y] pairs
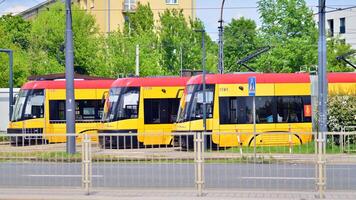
{"points": [[331, 27], [342, 25], [171, 1]]}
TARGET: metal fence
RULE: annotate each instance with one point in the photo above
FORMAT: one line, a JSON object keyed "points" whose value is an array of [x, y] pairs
{"points": [[120, 161]]}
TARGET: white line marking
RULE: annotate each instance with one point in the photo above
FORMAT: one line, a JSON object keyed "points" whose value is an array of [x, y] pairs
{"points": [[61, 175], [280, 178]]}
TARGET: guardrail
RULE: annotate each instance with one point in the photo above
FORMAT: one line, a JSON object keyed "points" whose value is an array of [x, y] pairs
{"points": [[121, 161]]}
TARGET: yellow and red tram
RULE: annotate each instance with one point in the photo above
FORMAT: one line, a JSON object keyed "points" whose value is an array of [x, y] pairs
{"points": [[283, 104]]}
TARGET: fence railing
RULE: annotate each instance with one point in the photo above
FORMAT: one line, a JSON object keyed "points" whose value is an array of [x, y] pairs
{"points": [[192, 160]]}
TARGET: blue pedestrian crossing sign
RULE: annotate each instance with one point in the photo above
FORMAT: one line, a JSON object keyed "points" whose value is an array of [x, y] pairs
{"points": [[252, 86]]}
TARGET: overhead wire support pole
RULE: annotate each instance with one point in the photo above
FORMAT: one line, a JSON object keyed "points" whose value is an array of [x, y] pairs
{"points": [[322, 102], [11, 87], [221, 40], [70, 100]]}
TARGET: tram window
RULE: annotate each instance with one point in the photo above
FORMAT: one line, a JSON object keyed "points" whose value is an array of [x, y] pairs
{"points": [[197, 104], [161, 111], [287, 109], [264, 113], [34, 105], [227, 110], [235, 110], [128, 104], [291, 109], [89, 110]]}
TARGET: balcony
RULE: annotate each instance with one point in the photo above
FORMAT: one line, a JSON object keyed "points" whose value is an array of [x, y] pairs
{"points": [[129, 6]]}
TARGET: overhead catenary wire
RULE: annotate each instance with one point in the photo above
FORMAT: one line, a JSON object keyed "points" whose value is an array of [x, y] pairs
{"points": [[339, 9]]}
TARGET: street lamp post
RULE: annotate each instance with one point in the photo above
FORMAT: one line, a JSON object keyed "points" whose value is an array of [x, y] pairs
{"points": [[70, 100], [204, 73], [322, 100], [11, 87], [221, 40]]}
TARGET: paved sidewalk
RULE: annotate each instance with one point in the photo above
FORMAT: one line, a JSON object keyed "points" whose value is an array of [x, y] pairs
{"points": [[169, 194]]}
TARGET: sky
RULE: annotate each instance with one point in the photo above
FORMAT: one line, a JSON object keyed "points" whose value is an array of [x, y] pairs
{"points": [[207, 10]]}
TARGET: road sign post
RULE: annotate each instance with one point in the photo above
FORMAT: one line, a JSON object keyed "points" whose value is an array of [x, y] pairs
{"points": [[252, 92]]}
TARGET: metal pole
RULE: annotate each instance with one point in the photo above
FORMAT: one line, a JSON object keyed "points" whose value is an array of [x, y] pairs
{"points": [[70, 101], [322, 100], [11, 86], [254, 125], [221, 40], [204, 73], [137, 72], [204, 85]]}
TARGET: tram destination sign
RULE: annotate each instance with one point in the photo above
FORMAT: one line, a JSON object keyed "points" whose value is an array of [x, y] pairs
{"points": [[252, 86]]}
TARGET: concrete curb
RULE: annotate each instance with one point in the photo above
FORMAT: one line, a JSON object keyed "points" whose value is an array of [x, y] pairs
{"points": [[150, 194]]}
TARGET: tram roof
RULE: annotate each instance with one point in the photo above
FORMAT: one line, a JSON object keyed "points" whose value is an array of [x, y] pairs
{"points": [[150, 81], [341, 77], [61, 84]]}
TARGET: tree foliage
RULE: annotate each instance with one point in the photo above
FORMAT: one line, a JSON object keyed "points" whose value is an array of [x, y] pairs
{"points": [[287, 26], [16, 29], [14, 35], [165, 45], [240, 39], [337, 47], [182, 43], [48, 36]]}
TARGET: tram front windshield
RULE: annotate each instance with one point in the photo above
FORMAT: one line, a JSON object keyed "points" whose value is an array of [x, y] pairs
{"points": [[29, 105], [122, 103], [192, 107]]}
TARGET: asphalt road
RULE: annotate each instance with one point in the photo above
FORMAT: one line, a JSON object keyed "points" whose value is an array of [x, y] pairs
{"points": [[147, 175]]}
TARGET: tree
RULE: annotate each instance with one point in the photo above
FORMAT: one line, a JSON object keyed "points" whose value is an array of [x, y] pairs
{"points": [[16, 29], [177, 35], [47, 38], [337, 47], [20, 58], [240, 39], [121, 45], [287, 26]]}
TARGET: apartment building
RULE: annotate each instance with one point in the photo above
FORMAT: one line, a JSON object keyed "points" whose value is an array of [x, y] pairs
{"points": [[112, 14], [342, 24]]}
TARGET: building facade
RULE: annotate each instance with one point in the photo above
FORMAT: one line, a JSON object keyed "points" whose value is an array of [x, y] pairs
{"points": [[112, 14], [342, 24]]}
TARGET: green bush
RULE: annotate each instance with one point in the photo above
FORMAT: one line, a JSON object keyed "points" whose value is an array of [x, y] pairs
{"points": [[341, 112]]}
